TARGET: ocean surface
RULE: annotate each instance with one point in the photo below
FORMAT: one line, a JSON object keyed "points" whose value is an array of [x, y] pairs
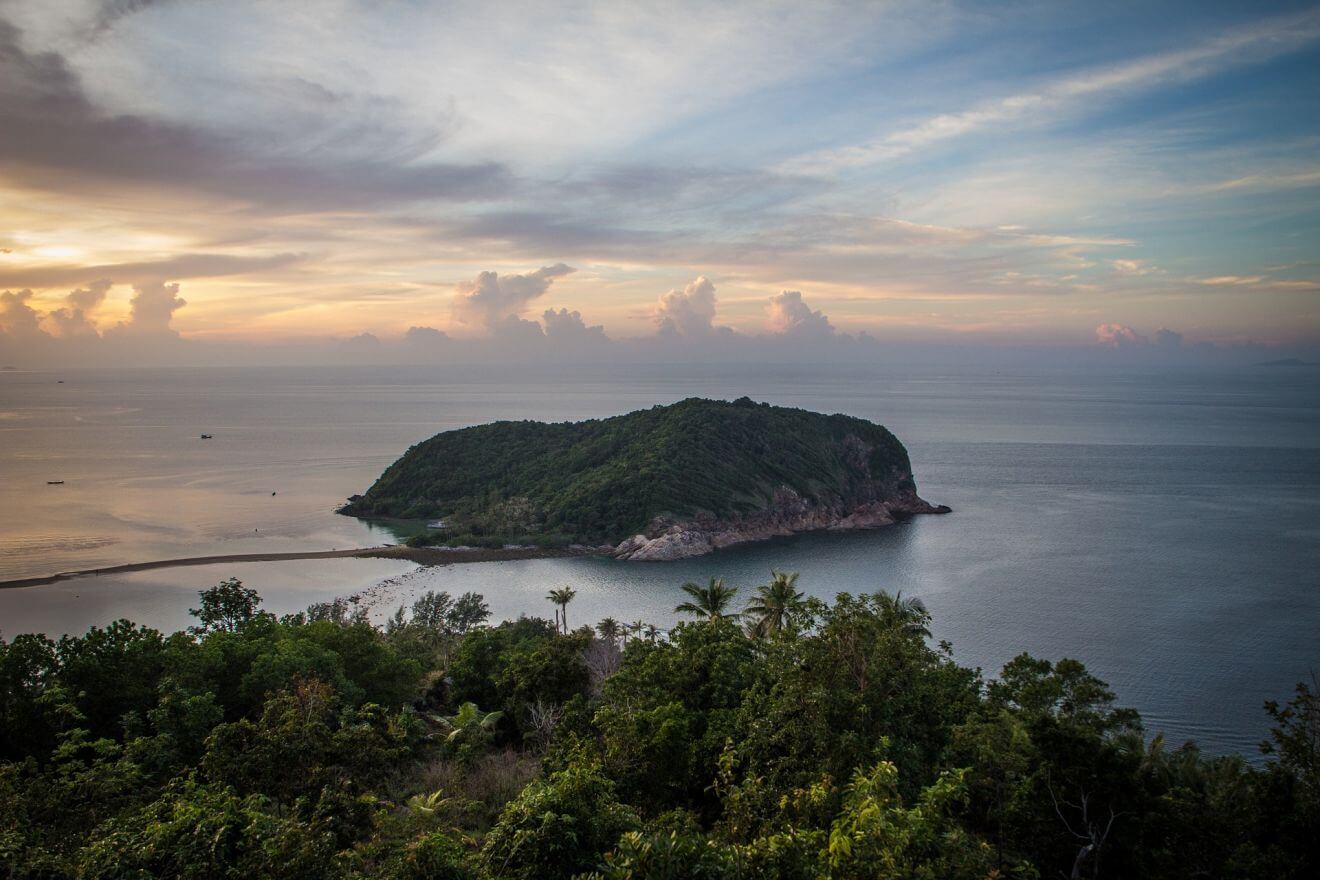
{"points": [[1161, 526]]}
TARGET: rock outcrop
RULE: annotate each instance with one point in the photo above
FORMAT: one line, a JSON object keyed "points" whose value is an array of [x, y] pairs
{"points": [[668, 539]]}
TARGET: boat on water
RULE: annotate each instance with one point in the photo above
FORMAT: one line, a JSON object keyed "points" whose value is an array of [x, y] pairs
{"points": [[54, 482], [208, 437]]}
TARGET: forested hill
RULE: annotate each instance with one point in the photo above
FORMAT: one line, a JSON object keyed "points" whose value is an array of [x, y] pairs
{"points": [[607, 479]]}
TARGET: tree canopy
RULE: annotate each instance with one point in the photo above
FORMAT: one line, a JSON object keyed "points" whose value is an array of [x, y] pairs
{"points": [[839, 744], [607, 479]]}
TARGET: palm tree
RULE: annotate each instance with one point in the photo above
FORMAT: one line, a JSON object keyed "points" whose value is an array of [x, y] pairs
{"points": [[908, 616], [636, 627], [709, 601], [608, 629], [562, 597], [774, 603], [652, 632], [470, 725]]}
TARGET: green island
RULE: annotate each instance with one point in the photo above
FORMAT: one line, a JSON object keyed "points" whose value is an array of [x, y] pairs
{"points": [[778, 737], [661, 483]]}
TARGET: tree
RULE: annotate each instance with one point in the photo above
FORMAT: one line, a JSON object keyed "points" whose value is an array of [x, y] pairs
{"points": [[908, 616], [709, 601], [28, 672], [227, 607], [876, 836], [1295, 737], [774, 604], [208, 831], [470, 610], [562, 597], [431, 611], [608, 629], [634, 629], [558, 827], [470, 730]]}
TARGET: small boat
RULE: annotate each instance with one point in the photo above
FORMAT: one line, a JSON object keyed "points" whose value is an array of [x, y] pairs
{"points": [[54, 482], [208, 436]]}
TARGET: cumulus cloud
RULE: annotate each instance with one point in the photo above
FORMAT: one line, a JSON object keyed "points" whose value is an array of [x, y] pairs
{"points": [[1118, 336], [363, 342], [689, 312], [788, 314], [1122, 336], [1168, 339], [490, 301], [561, 325], [151, 309], [18, 319], [425, 336], [518, 332], [74, 319]]}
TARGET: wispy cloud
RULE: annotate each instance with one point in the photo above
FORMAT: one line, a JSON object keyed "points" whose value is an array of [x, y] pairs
{"points": [[1243, 46]]}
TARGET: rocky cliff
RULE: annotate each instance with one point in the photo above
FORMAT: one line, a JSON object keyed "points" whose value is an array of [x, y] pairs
{"points": [[666, 539]]}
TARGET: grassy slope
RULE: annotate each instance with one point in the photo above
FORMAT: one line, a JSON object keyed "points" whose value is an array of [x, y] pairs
{"points": [[608, 478]]}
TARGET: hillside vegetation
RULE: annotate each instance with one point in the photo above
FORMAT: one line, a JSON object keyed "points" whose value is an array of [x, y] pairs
{"points": [[606, 479], [782, 739]]}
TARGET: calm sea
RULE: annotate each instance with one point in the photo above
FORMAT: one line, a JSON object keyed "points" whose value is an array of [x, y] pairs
{"points": [[1164, 527]]}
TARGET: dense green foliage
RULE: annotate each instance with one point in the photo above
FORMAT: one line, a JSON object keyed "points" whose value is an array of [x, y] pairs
{"points": [[608, 479], [812, 740]]}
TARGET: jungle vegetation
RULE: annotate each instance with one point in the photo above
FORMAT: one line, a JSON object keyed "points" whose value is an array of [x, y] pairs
{"points": [[607, 479], [794, 739]]}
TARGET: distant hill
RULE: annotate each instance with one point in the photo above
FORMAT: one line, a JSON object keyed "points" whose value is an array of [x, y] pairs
{"points": [[660, 483]]}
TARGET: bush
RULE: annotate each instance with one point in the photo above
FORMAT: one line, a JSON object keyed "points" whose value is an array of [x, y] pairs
{"points": [[557, 827]]}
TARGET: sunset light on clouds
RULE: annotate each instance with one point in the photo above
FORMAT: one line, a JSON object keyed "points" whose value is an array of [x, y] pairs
{"points": [[417, 180]]}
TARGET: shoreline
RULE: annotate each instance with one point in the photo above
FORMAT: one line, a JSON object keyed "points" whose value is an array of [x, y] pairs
{"points": [[420, 555]]}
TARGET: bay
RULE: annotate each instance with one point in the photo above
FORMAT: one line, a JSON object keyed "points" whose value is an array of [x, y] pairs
{"points": [[1162, 526]]}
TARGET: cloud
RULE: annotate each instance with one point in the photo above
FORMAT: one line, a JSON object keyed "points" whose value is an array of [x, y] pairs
{"points": [[181, 267], [1269, 39], [1118, 336], [1121, 336], [490, 301], [425, 336], [689, 312], [18, 319], [1133, 268], [1168, 339], [151, 309], [563, 326], [789, 315], [66, 143], [362, 342], [1297, 180], [1260, 282], [73, 319], [111, 11]]}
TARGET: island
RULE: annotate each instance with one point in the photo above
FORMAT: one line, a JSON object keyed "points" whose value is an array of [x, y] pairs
{"points": [[663, 483]]}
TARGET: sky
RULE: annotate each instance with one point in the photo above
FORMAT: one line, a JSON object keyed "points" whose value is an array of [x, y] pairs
{"points": [[399, 180]]}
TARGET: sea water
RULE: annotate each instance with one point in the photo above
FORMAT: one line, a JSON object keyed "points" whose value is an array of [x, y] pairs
{"points": [[1163, 526]]}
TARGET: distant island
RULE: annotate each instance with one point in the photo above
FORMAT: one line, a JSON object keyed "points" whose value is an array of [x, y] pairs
{"points": [[662, 483]]}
